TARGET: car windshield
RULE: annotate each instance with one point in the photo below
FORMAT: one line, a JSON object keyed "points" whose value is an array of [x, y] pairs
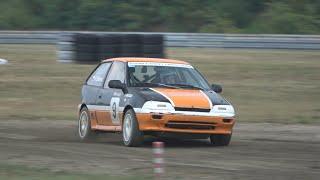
{"points": [[149, 74]]}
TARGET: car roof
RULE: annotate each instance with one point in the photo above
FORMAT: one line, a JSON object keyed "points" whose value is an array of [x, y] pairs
{"points": [[141, 59]]}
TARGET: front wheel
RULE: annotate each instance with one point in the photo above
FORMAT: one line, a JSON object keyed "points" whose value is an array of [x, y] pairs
{"points": [[220, 139], [131, 134], [84, 126]]}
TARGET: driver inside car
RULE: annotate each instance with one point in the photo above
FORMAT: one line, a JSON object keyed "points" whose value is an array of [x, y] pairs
{"points": [[169, 78]]}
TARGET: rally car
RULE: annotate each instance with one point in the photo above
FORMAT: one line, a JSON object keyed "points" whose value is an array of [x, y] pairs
{"points": [[150, 96]]}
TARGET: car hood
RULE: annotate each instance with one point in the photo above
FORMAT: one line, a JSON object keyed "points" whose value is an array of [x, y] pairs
{"points": [[185, 98]]}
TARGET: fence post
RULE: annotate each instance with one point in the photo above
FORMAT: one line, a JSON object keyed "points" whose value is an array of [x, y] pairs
{"points": [[158, 162]]}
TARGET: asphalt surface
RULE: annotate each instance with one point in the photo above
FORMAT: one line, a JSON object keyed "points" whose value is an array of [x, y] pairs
{"points": [[257, 151]]}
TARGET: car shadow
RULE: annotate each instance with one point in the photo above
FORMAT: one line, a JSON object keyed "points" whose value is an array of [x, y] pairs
{"points": [[177, 143], [168, 142]]}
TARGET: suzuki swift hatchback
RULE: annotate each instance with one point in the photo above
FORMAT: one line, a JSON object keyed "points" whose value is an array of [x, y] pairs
{"points": [[148, 96]]}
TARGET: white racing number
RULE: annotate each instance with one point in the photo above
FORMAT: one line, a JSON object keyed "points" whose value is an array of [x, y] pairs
{"points": [[114, 103]]}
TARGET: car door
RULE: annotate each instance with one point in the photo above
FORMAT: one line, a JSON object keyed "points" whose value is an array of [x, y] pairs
{"points": [[110, 98], [92, 86]]}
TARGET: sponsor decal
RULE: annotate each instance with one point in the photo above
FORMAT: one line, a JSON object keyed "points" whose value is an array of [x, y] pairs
{"points": [[133, 64], [222, 108], [115, 109]]}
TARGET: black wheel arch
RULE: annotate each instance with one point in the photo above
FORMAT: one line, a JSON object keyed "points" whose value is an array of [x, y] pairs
{"points": [[82, 106], [126, 108]]}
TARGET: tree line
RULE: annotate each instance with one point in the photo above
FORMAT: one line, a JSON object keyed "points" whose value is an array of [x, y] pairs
{"points": [[212, 16]]}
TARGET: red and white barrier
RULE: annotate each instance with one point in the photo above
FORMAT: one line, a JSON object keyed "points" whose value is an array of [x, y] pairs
{"points": [[158, 162]]}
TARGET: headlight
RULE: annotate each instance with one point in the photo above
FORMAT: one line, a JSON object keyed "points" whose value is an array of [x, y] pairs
{"points": [[223, 110], [157, 107]]}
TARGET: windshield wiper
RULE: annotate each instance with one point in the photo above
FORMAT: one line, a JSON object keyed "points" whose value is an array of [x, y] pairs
{"points": [[187, 86]]}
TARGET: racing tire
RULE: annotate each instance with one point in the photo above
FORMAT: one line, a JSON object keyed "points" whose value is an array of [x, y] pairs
{"points": [[66, 46], [83, 57], [131, 49], [153, 49], [152, 39], [66, 37], [85, 132], [109, 51], [109, 48], [109, 39], [220, 139], [131, 135], [160, 55], [85, 48], [131, 39], [83, 38], [66, 55]]}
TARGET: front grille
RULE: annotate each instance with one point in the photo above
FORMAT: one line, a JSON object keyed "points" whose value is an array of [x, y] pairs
{"points": [[190, 125], [192, 109]]}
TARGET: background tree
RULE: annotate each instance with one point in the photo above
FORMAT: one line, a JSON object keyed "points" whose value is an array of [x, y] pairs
{"points": [[215, 16]]}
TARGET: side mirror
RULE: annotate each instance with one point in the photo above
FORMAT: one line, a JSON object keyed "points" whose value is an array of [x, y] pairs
{"points": [[216, 88], [117, 84]]}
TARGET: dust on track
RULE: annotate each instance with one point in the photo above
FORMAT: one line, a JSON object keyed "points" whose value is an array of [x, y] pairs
{"points": [[257, 151]]}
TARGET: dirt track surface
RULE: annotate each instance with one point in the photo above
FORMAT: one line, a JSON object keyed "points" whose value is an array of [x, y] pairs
{"points": [[257, 151]]}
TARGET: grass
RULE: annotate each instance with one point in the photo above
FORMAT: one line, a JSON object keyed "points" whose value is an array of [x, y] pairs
{"points": [[264, 85], [19, 172], [35, 86]]}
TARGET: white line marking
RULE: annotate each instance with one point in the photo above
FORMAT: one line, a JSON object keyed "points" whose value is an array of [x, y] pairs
{"points": [[99, 108]]}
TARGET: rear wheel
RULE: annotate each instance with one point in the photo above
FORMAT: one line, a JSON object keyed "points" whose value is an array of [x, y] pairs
{"points": [[220, 139], [84, 126], [131, 134]]}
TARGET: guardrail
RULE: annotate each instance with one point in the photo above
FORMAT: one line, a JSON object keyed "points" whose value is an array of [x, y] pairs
{"points": [[206, 40], [29, 37], [243, 41]]}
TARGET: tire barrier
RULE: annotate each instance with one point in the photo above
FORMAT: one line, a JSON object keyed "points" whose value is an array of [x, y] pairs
{"points": [[153, 46], [131, 45], [92, 48], [85, 46], [109, 46]]}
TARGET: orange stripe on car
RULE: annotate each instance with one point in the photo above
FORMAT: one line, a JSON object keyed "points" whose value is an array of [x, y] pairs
{"points": [[187, 98]]}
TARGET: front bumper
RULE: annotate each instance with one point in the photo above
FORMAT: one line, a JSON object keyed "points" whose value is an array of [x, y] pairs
{"points": [[185, 123]]}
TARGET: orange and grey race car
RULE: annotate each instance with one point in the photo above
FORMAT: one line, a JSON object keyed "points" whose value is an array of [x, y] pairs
{"points": [[149, 96]]}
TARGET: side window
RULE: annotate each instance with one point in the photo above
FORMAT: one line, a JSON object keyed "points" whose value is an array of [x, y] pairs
{"points": [[117, 72], [96, 78]]}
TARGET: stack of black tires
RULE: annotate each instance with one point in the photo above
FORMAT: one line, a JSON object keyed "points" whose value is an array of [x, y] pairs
{"points": [[131, 45], [85, 47], [153, 46], [109, 46], [92, 48]]}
